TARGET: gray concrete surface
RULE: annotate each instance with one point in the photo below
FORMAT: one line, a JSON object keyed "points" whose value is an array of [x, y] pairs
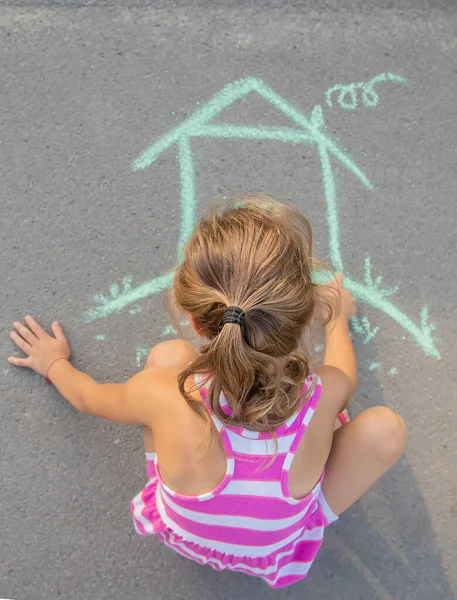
{"points": [[85, 87]]}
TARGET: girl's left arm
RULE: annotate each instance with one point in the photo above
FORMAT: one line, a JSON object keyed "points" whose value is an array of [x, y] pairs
{"points": [[128, 403]]}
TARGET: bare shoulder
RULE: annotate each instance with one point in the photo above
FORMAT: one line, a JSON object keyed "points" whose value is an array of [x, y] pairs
{"points": [[158, 386]]}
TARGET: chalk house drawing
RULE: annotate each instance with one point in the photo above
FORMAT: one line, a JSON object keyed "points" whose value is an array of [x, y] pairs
{"points": [[304, 130]]}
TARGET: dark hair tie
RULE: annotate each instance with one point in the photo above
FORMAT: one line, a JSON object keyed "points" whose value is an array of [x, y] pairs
{"points": [[234, 314]]}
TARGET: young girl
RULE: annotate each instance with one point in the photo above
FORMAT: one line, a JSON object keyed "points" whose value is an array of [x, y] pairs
{"points": [[245, 469]]}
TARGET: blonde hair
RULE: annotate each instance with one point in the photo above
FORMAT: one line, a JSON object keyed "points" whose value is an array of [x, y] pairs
{"points": [[254, 253]]}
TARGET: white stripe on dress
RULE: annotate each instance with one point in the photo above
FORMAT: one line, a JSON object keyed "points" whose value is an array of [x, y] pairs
{"points": [[230, 466], [240, 487], [308, 416], [253, 435], [291, 420], [288, 462], [236, 549], [292, 568], [138, 506], [172, 542], [253, 523], [259, 447]]}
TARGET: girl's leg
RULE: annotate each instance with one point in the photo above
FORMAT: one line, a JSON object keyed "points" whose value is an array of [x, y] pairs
{"points": [[362, 451]]}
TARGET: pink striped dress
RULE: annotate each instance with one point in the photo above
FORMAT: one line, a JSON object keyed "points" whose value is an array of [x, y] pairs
{"points": [[249, 523]]}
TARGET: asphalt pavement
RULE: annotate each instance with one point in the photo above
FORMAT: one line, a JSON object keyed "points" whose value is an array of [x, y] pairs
{"points": [[120, 123]]}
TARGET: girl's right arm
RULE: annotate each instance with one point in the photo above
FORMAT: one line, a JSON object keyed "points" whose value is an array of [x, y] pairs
{"points": [[339, 351], [340, 362], [339, 381]]}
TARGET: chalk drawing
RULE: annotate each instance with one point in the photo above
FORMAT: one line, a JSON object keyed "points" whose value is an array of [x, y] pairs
{"points": [[306, 130], [393, 371], [100, 338], [369, 333], [347, 96], [170, 330], [374, 366], [141, 354], [377, 282]]}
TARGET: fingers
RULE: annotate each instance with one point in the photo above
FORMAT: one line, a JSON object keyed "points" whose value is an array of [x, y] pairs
{"points": [[20, 342], [24, 332], [34, 326], [19, 362], [57, 330]]}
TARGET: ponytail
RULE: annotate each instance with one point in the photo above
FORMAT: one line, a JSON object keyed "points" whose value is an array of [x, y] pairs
{"points": [[247, 281]]}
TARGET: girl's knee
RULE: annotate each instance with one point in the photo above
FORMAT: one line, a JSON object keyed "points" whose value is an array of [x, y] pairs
{"points": [[384, 432], [172, 353]]}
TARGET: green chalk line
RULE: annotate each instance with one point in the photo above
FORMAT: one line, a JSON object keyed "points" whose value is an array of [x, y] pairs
{"points": [[188, 199], [144, 290], [288, 135], [141, 354], [213, 107], [309, 131], [370, 98], [375, 298]]}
